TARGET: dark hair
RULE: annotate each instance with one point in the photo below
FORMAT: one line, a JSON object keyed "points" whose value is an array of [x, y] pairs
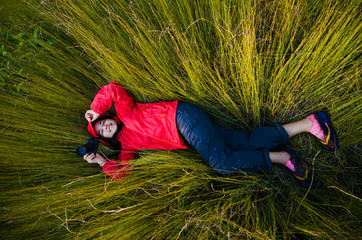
{"points": [[113, 140]]}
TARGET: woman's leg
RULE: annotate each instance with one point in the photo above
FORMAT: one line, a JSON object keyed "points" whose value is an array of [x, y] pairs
{"points": [[279, 157], [260, 138], [319, 125], [298, 127], [269, 137], [297, 167], [198, 131]]}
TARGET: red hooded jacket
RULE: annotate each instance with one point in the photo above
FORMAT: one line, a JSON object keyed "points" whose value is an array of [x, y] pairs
{"points": [[145, 126]]}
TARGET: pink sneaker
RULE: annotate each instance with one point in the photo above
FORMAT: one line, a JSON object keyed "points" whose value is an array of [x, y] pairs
{"points": [[322, 129], [300, 172]]}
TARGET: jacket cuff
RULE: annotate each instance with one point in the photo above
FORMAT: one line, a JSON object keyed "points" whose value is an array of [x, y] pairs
{"points": [[109, 166], [112, 169]]}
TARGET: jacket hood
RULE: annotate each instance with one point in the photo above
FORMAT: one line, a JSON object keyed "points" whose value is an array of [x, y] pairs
{"points": [[92, 131]]}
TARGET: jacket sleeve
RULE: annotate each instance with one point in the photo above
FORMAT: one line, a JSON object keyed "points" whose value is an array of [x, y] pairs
{"points": [[113, 93], [121, 168]]}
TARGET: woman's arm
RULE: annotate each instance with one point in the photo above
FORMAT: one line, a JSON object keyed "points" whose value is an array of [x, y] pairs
{"points": [[95, 158], [112, 168], [113, 93]]}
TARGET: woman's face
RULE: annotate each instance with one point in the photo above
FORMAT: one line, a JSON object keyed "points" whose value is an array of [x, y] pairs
{"points": [[106, 127]]}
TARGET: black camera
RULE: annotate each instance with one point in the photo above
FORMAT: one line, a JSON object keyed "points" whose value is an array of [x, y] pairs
{"points": [[89, 147]]}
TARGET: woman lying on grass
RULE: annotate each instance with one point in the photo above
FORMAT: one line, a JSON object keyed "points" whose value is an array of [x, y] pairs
{"points": [[179, 125]]}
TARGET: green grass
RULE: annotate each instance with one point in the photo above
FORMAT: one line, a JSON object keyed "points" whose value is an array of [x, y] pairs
{"points": [[247, 63]]}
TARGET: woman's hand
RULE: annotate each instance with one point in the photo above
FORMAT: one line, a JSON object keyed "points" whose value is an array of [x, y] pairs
{"points": [[91, 115], [95, 158]]}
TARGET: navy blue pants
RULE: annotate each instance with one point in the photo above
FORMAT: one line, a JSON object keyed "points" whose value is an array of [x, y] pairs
{"points": [[228, 150]]}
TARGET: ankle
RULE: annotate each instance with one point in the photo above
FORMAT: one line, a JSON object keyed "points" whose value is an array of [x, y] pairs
{"points": [[316, 129], [308, 124], [279, 157], [314, 125]]}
